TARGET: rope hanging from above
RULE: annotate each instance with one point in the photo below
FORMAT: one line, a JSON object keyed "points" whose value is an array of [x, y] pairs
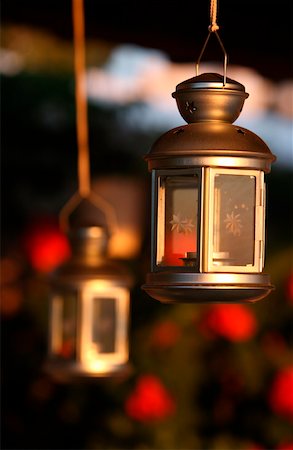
{"points": [[84, 184], [213, 16], [80, 98], [213, 29]]}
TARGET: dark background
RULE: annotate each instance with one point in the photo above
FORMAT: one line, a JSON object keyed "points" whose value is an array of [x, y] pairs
{"points": [[255, 33]]}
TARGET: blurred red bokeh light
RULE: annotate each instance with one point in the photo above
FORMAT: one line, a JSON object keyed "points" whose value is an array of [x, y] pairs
{"points": [[149, 401], [46, 246], [233, 322], [281, 393]]}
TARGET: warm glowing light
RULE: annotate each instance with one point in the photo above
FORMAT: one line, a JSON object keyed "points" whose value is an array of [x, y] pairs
{"points": [[127, 195], [125, 243], [94, 350], [89, 327]]}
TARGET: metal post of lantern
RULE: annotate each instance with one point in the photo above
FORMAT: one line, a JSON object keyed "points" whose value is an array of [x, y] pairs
{"points": [[208, 199]]}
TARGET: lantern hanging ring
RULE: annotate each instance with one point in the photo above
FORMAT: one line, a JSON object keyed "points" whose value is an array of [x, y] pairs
{"points": [[97, 201], [224, 51], [213, 27]]}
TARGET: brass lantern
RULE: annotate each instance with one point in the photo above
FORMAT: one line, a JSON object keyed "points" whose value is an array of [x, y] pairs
{"points": [[208, 200], [89, 310]]}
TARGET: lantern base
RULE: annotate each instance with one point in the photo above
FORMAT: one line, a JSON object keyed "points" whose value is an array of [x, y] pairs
{"points": [[178, 287], [64, 371]]}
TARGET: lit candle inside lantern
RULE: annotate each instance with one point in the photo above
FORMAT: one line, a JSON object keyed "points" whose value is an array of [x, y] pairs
{"points": [[178, 208]]}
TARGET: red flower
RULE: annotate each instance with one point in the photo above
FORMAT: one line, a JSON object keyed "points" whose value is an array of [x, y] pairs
{"points": [[233, 322], [281, 393], [165, 334], [149, 401], [46, 246]]}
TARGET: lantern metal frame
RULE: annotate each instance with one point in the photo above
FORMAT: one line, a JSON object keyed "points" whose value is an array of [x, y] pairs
{"points": [[208, 145], [88, 278], [155, 230], [258, 254]]}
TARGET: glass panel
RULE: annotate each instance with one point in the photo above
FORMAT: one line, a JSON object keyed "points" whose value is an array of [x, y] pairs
{"points": [[64, 325], [104, 324], [177, 220], [234, 220]]}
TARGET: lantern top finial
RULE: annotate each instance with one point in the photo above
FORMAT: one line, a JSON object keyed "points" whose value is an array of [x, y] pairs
{"points": [[207, 97], [210, 81]]}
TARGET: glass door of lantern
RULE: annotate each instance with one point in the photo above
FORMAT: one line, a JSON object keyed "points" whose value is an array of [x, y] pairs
{"points": [[177, 222], [64, 326], [235, 220], [104, 325]]}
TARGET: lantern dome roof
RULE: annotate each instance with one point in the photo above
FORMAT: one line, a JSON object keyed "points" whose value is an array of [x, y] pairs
{"points": [[210, 144]]}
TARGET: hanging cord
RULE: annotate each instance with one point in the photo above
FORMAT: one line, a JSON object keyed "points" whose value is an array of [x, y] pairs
{"points": [[213, 16], [80, 97], [84, 184], [213, 28]]}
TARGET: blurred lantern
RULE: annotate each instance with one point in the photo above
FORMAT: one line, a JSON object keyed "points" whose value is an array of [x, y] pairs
{"points": [[89, 305], [208, 198], [89, 309]]}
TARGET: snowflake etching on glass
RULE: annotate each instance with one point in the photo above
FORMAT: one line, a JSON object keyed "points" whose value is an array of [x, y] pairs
{"points": [[233, 223], [181, 225]]}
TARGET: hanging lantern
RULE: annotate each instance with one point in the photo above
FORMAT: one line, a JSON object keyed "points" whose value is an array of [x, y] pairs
{"points": [[89, 305], [89, 310], [208, 199]]}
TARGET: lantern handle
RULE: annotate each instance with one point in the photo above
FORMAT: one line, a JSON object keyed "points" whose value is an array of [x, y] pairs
{"points": [[223, 49], [213, 28], [97, 201]]}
